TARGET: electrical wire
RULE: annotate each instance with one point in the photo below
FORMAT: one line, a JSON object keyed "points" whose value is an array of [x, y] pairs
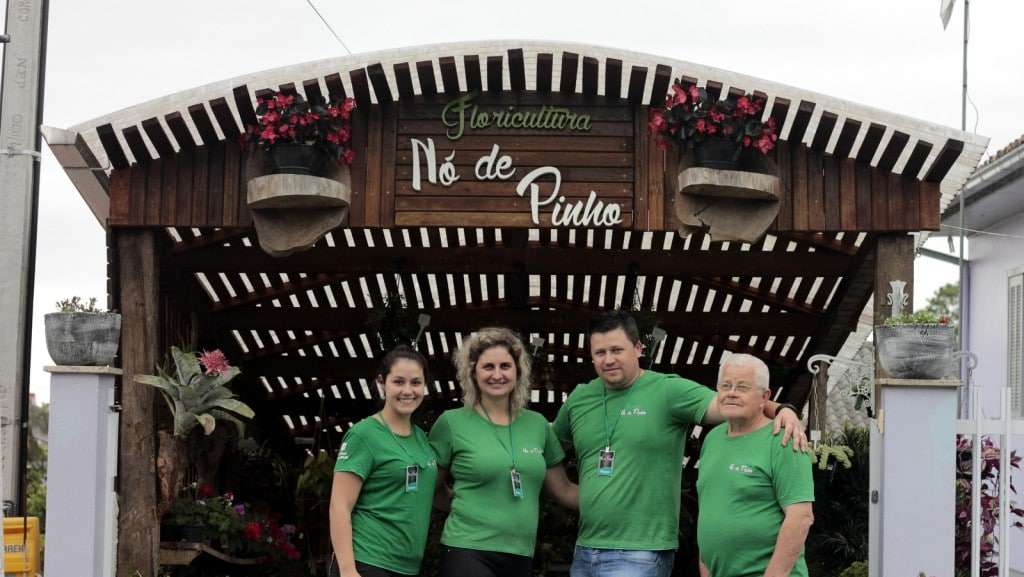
{"points": [[1000, 235], [329, 27]]}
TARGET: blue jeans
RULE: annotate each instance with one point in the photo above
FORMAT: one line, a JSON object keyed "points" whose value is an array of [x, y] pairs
{"points": [[588, 562]]}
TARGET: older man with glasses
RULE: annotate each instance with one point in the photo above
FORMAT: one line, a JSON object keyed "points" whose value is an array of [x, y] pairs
{"points": [[755, 496]]}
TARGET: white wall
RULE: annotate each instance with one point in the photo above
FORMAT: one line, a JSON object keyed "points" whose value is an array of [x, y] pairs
{"points": [[992, 258]]}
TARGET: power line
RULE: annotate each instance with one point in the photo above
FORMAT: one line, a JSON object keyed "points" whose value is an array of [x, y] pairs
{"points": [[328, 25], [1001, 235]]}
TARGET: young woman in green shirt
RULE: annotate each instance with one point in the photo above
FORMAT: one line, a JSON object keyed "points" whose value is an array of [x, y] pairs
{"points": [[499, 455], [384, 479]]}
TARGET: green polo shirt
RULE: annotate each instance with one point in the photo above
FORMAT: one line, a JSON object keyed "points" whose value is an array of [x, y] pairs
{"points": [[485, 515], [389, 524], [744, 484], [637, 506]]}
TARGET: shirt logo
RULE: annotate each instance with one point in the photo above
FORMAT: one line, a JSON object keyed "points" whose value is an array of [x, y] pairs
{"points": [[745, 469], [634, 412], [343, 452], [533, 451]]}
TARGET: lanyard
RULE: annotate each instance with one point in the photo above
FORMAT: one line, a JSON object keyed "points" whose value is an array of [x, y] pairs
{"points": [[604, 398], [511, 445], [398, 442]]}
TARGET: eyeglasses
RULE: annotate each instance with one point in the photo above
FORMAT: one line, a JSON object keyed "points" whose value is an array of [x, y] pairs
{"points": [[741, 388]]}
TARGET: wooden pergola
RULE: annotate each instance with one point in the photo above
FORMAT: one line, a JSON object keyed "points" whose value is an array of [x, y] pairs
{"points": [[185, 262]]}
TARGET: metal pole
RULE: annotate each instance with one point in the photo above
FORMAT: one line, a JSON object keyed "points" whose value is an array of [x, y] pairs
{"points": [[1004, 486], [976, 416], [963, 191]]}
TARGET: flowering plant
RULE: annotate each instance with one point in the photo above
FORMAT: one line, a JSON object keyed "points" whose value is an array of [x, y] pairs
{"points": [[234, 526], [285, 118], [691, 116], [923, 317], [989, 506], [195, 389]]}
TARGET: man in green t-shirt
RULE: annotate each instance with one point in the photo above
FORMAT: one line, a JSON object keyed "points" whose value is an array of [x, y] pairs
{"points": [[754, 496], [628, 427]]}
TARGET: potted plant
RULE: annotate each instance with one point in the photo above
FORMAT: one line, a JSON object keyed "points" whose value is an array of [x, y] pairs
{"points": [[80, 334], [195, 387], [302, 136], [716, 130], [917, 345]]}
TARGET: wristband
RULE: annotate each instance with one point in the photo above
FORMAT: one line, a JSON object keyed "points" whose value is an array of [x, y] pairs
{"points": [[787, 406]]}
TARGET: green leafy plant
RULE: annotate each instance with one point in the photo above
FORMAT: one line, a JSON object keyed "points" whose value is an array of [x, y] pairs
{"points": [[856, 569], [839, 536], [195, 389], [77, 305], [925, 317], [841, 454], [314, 483]]}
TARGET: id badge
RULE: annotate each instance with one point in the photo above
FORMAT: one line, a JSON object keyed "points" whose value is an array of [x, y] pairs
{"points": [[412, 478], [517, 485], [606, 462]]}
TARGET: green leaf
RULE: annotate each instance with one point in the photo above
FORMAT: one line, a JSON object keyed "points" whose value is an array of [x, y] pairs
{"points": [[186, 365], [226, 416], [208, 423], [235, 406], [206, 383]]}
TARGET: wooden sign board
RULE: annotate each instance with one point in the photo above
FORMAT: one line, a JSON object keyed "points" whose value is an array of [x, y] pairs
{"points": [[526, 159]]}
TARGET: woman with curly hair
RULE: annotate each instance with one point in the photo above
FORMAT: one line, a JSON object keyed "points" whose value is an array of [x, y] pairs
{"points": [[499, 455]]}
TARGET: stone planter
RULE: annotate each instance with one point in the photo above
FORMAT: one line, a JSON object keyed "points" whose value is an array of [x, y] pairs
{"points": [[917, 351], [82, 339]]}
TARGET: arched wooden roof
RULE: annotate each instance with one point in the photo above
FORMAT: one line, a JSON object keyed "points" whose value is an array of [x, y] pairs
{"points": [[893, 142]]}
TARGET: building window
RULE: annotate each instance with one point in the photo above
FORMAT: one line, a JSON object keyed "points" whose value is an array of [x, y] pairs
{"points": [[1015, 340]]}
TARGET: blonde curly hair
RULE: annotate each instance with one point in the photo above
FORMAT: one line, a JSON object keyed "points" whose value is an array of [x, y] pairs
{"points": [[469, 354]]}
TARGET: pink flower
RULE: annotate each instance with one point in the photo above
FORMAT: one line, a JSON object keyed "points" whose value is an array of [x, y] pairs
{"points": [[343, 135], [205, 491], [701, 126], [253, 531], [694, 93], [349, 105], [269, 135], [678, 94], [348, 156], [655, 121], [712, 129], [214, 361]]}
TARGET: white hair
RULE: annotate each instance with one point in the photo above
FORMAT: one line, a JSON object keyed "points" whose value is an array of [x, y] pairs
{"points": [[742, 359]]}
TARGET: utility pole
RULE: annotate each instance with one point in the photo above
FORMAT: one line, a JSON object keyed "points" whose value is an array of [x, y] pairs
{"points": [[21, 113]]}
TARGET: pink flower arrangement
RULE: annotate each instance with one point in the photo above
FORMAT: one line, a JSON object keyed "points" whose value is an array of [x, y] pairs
{"points": [[214, 362], [690, 116], [291, 118]]}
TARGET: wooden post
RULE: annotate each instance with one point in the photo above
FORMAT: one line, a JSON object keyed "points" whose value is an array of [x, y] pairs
{"points": [[894, 261], [138, 528]]}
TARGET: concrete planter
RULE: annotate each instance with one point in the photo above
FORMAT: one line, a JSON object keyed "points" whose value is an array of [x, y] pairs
{"points": [[82, 339], [917, 351]]}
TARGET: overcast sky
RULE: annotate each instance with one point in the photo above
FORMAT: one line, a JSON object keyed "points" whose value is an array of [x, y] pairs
{"points": [[104, 55]]}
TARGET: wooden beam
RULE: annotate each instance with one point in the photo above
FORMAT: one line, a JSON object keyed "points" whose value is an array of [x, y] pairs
{"points": [[138, 525], [506, 259], [517, 70], [551, 320]]}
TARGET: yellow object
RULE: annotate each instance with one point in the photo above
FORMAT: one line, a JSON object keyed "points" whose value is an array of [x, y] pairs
{"points": [[21, 546]]}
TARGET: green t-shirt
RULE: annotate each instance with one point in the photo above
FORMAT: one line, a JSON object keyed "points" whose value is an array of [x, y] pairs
{"points": [[637, 507], [742, 486], [485, 515], [389, 524]]}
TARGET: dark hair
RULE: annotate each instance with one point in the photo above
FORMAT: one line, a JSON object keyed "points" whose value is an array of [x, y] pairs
{"points": [[607, 321], [394, 355]]}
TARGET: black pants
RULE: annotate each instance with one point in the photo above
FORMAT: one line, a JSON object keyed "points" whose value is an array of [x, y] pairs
{"points": [[363, 569], [458, 562]]}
